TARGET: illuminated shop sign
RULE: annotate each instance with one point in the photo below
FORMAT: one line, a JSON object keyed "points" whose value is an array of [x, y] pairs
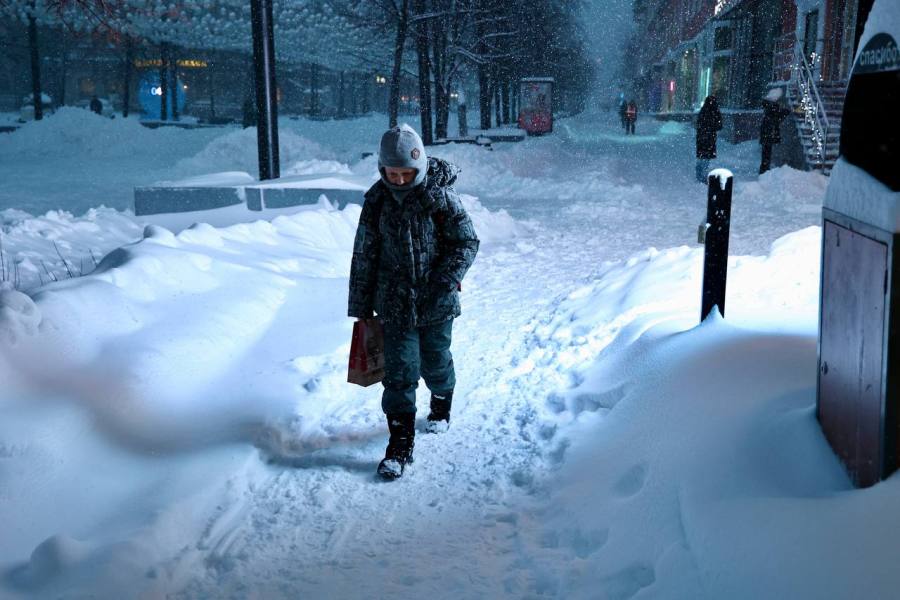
{"points": [[185, 63]]}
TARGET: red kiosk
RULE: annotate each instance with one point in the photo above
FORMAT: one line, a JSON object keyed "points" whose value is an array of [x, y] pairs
{"points": [[536, 105]]}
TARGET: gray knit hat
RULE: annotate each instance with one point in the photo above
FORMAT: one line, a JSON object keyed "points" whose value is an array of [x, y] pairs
{"points": [[401, 147]]}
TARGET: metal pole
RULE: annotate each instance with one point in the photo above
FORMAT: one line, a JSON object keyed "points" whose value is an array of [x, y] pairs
{"points": [[718, 225], [35, 67], [266, 90], [163, 82], [129, 65]]}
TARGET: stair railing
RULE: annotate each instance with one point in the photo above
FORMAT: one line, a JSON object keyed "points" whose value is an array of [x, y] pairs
{"points": [[815, 114]]}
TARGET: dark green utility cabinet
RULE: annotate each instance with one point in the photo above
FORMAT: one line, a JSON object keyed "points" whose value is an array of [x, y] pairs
{"points": [[858, 392]]}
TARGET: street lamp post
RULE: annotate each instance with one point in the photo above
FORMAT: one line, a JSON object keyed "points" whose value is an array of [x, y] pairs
{"points": [[266, 97]]}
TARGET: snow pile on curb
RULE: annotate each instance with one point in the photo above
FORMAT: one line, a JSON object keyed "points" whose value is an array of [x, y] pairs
{"points": [[78, 132], [784, 182], [41, 249], [237, 151], [699, 441]]}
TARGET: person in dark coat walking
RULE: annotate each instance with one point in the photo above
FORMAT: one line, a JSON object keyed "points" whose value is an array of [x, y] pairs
{"points": [[630, 116], [414, 244], [248, 112], [623, 106], [709, 123], [770, 128], [96, 105]]}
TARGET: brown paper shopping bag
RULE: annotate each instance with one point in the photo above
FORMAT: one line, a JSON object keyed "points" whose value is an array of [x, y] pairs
{"points": [[366, 353]]}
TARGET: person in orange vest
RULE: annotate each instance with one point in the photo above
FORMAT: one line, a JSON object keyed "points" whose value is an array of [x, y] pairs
{"points": [[630, 116]]}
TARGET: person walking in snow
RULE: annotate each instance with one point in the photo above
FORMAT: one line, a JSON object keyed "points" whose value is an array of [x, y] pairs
{"points": [[630, 116], [770, 128], [623, 106], [709, 122], [413, 246], [96, 106]]}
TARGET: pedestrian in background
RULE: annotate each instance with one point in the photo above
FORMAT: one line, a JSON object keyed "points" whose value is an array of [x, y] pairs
{"points": [[770, 128], [96, 105], [249, 114], [413, 245], [709, 123], [630, 116]]}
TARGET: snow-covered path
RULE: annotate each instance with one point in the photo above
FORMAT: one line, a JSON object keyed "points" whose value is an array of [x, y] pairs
{"points": [[320, 524], [237, 358]]}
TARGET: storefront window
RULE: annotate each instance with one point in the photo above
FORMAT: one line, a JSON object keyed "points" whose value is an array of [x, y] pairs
{"points": [[86, 86], [723, 39], [720, 76]]}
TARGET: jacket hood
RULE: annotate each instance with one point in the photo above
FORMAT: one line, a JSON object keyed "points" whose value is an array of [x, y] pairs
{"points": [[441, 173]]}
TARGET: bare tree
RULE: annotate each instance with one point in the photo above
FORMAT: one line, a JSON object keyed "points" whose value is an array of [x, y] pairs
{"points": [[423, 40]]}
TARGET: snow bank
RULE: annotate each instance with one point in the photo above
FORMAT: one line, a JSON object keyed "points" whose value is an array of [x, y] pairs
{"points": [[700, 442], [787, 184], [490, 226], [78, 132], [237, 151], [57, 245]]}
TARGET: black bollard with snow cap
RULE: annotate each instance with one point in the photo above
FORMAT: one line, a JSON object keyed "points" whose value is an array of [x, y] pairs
{"points": [[714, 234], [858, 391]]}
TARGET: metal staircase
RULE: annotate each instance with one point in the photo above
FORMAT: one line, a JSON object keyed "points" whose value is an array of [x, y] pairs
{"points": [[817, 108]]}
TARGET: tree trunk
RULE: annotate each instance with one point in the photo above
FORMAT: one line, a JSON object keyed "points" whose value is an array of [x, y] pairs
{"points": [[515, 102], [340, 104], [163, 83], [365, 95], [441, 85], [463, 120], [129, 67], [422, 44], [313, 89], [497, 108], [212, 89], [399, 44], [35, 67], [484, 97], [442, 111], [63, 67], [504, 99]]}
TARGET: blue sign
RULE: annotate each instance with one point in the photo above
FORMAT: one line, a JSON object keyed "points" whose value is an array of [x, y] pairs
{"points": [[149, 92]]}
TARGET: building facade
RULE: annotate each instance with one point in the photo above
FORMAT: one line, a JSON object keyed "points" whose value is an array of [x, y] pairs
{"points": [[685, 50], [215, 83]]}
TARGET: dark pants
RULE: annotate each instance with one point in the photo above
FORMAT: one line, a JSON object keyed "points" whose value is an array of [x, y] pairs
{"points": [[629, 126], [411, 353], [766, 158], [702, 169]]}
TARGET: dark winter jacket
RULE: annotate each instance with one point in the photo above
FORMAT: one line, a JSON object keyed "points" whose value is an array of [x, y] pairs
{"points": [[709, 122], [631, 112], [410, 256], [770, 129]]}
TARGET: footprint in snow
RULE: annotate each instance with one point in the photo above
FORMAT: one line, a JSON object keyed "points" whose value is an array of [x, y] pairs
{"points": [[632, 482], [626, 583]]}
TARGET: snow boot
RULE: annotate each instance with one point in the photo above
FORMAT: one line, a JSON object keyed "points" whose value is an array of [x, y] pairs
{"points": [[399, 452], [439, 418]]}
